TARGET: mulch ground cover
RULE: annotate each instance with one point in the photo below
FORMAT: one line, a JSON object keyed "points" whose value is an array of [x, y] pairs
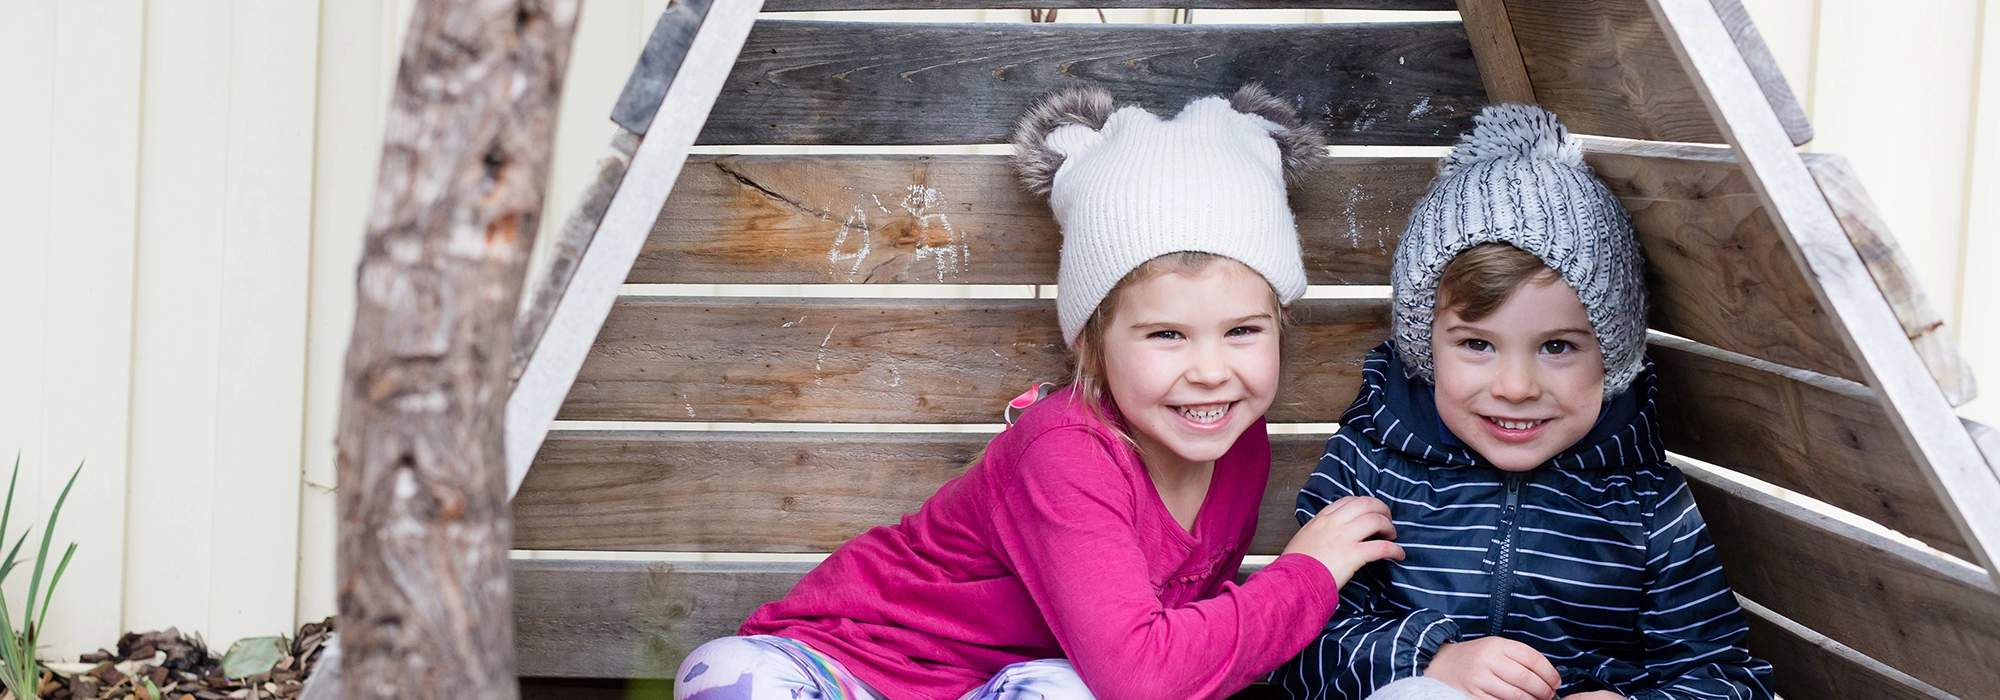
{"points": [[167, 665]]}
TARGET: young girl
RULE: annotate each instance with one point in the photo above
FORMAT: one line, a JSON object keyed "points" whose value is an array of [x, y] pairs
{"points": [[1092, 549]]}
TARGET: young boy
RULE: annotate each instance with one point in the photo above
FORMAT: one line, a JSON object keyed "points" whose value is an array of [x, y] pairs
{"points": [[1509, 425]]}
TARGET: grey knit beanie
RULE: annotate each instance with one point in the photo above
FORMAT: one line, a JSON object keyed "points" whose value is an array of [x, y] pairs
{"points": [[1519, 178]]}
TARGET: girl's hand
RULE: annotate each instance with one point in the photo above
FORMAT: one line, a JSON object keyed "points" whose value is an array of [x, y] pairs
{"points": [[1594, 695], [1496, 668], [1338, 536]]}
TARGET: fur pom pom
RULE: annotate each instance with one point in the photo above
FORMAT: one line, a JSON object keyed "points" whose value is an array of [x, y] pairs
{"points": [[1514, 130], [1034, 160], [1302, 146]]}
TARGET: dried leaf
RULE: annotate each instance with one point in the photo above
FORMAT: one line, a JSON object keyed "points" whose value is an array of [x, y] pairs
{"points": [[253, 656]]}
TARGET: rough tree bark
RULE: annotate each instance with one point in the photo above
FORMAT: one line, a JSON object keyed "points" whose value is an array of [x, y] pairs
{"points": [[425, 602]]}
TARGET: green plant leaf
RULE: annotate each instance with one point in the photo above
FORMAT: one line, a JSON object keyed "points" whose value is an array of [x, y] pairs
{"points": [[42, 558], [251, 656]]}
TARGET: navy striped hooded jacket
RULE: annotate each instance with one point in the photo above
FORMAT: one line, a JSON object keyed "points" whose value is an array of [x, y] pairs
{"points": [[1599, 559]]}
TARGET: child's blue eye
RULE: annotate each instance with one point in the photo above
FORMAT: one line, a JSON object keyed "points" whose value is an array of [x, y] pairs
{"points": [[1558, 347], [1240, 331], [1476, 345], [1165, 335]]}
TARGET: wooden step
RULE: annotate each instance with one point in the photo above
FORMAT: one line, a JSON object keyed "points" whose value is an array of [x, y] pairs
{"points": [[943, 219], [803, 82], [778, 492], [720, 359], [1915, 611]]}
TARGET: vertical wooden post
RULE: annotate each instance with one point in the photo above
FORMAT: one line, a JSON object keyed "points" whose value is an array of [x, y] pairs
{"points": [[425, 600]]}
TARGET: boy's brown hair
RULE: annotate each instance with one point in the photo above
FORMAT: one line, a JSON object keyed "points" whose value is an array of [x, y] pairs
{"points": [[1478, 282]]}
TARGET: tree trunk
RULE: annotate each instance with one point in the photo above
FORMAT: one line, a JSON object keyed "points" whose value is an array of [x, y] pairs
{"points": [[426, 607]]}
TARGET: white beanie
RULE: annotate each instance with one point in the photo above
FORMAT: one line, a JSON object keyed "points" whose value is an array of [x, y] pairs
{"points": [[1127, 187], [1519, 179]]}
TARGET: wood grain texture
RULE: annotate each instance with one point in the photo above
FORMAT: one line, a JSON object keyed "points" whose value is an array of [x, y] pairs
{"points": [[809, 219], [824, 5], [801, 82], [1823, 437], [1607, 69], [894, 360], [777, 492], [1719, 271], [1866, 324], [423, 519], [578, 229], [1806, 664], [1501, 67], [574, 323], [1764, 65], [1894, 274], [1918, 612], [629, 619]]}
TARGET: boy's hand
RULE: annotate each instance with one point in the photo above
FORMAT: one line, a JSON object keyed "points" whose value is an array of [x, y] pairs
{"points": [[1594, 695], [1496, 668], [1338, 536]]}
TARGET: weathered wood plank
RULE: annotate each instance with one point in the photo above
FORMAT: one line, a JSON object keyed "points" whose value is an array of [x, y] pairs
{"points": [[1720, 271], [666, 48], [776, 492], [824, 5], [635, 619], [1923, 614], [1895, 275], [807, 219], [1806, 664], [1501, 68], [1866, 324], [802, 82], [894, 360], [1607, 69], [628, 619], [1823, 437]]}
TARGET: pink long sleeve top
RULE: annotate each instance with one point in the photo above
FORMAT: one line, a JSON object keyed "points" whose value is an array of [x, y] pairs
{"points": [[1056, 545]]}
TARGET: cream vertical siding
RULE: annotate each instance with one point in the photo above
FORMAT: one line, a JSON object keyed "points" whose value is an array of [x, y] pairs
{"points": [[183, 186]]}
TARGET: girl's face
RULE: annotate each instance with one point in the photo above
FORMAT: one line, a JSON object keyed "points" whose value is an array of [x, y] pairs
{"points": [[1521, 385], [1191, 360]]}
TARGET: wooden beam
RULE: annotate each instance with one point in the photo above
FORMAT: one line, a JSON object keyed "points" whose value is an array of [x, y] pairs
{"points": [[666, 48], [1821, 436], [895, 360], [1918, 612], [900, 83], [1868, 326], [1894, 275], [577, 231], [634, 619], [574, 323], [1808, 664], [959, 219], [424, 529], [687, 491], [1501, 68]]}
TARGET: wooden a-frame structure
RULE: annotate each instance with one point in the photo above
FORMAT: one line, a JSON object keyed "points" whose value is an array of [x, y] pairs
{"points": [[1792, 341]]}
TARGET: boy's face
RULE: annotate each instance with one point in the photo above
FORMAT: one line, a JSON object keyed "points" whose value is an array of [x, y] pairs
{"points": [[1525, 383], [1192, 360]]}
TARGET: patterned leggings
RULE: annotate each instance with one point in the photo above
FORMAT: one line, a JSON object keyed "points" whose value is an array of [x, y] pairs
{"points": [[764, 667]]}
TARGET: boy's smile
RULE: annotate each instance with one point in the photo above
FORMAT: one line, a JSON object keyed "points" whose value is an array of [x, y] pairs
{"points": [[1192, 360], [1525, 383]]}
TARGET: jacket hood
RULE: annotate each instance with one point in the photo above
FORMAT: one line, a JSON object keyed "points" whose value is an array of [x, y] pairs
{"points": [[1399, 412]]}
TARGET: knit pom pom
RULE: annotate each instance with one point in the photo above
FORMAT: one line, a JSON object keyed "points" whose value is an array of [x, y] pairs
{"points": [[1302, 146], [1514, 130], [1034, 159]]}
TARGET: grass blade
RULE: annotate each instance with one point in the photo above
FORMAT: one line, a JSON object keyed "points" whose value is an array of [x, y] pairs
{"points": [[40, 619], [42, 557]]}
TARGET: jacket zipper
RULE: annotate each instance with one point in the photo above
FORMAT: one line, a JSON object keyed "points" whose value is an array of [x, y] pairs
{"points": [[1503, 562]]}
